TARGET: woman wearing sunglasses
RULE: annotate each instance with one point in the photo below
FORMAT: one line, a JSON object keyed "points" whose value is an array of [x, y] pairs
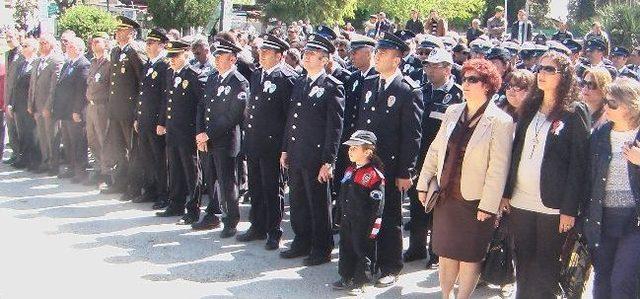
{"points": [[469, 160], [518, 85], [612, 222], [592, 87], [546, 179]]}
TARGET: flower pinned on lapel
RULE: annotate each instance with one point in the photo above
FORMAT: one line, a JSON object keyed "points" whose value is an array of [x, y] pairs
{"points": [[97, 77], [367, 97], [313, 91], [220, 90], [149, 71], [176, 82], [227, 90], [390, 101], [123, 56], [556, 127], [272, 88]]}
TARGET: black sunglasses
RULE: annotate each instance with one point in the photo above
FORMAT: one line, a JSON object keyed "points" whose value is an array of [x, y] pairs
{"points": [[589, 84], [549, 69], [471, 79], [612, 104], [514, 87]]}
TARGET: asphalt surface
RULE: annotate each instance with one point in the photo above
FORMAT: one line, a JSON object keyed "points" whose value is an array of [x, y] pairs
{"points": [[62, 240]]}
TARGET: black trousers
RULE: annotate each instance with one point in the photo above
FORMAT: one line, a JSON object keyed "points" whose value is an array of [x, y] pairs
{"points": [[74, 138], [221, 167], [12, 131], [266, 204], [538, 245], [310, 206], [154, 159], [390, 236], [182, 174], [25, 141], [357, 250], [119, 143]]}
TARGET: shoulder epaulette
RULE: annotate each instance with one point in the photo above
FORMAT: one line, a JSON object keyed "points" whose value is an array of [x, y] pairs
{"points": [[374, 76], [334, 80]]}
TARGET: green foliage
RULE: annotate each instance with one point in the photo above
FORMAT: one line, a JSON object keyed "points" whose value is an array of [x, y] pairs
{"points": [[23, 10], [318, 11], [87, 20], [580, 10], [620, 21], [181, 13]]}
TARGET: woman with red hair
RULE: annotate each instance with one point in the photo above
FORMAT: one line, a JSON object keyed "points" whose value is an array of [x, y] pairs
{"points": [[468, 161]]}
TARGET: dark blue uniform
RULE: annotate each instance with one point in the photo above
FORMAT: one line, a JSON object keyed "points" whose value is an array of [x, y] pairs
{"points": [[394, 115], [264, 126], [220, 113], [153, 92], [311, 139], [184, 89], [409, 64]]}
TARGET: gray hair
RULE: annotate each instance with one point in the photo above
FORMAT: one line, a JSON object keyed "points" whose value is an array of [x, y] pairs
{"points": [[78, 43]]}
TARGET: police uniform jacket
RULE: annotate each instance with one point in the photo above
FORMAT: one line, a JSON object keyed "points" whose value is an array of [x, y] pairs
{"points": [[221, 110], [153, 90], [353, 90], [436, 102], [314, 125], [409, 64], [71, 89], [395, 116], [98, 81], [267, 111], [341, 74], [184, 89], [126, 75]]}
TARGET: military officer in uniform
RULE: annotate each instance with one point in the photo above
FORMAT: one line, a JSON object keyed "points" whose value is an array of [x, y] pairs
{"points": [[265, 120], [153, 88], [437, 95], [392, 109], [310, 146], [220, 114], [126, 75], [96, 113], [178, 124]]}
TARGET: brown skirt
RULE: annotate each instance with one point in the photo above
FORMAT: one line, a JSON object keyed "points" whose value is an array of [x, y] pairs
{"points": [[457, 233]]}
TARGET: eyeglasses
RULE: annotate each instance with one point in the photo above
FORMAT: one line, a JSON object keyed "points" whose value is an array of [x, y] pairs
{"points": [[588, 84], [549, 69], [471, 79], [612, 104], [514, 87]]}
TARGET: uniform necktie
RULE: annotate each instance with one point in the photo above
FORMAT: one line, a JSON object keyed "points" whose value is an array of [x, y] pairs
{"points": [[382, 85]]}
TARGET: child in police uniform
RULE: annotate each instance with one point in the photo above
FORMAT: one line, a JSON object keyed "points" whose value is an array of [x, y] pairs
{"points": [[362, 201]]}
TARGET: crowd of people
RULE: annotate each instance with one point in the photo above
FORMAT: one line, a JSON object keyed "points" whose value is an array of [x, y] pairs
{"points": [[542, 134]]}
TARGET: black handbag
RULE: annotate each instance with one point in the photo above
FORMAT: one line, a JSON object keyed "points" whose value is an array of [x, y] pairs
{"points": [[576, 265], [497, 268]]}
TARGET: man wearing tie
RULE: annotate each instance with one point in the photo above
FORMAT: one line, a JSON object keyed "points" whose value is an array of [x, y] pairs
{"points": [[522, 29]]}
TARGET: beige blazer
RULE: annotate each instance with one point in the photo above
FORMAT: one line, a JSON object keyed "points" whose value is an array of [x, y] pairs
{"points": [[43, 82], [486, 161]]}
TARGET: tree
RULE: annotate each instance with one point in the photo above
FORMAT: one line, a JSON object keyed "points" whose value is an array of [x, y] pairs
{"points": [[87, 20], [580, 10], [318, 11], [23, 12], [181, 13], [620, 21], [63, 5]]}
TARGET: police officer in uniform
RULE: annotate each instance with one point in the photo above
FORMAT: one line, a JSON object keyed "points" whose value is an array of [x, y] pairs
{"points": [[220, 114], [595, 56], [153, 89], [392, 109], [126, 75], [425, 47], [575, 48], [619, 57], [178, 122], [410, 61], [440, 92], [264, 125], [310, 146]]}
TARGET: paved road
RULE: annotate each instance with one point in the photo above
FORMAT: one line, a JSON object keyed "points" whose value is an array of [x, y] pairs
{"points": [[61, 240]]}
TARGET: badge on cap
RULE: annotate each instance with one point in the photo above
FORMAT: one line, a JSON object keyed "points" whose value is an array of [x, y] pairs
{"points": [[376, 195], [149, 71], [227, 90], [367, 97], [97, 77], [220, 90], [311, 38], [123, 56], [406, 67], [185, 83], [447, 99], [176, 81], [390, 101]]}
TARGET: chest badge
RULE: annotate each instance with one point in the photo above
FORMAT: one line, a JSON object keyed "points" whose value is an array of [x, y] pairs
{"points": [[123, 70], [122, 57], [185, 83], [355, 84], [154, 75], [266, 86], [447, 99], [390, 101], [227, 90]]}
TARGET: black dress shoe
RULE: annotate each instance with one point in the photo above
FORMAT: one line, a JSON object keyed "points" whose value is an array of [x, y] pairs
{"points": [[228, 232], [316, 260], [413, 255], [294, 253], [146, 197], [159, 205], [433, 261], [170, 212], [272, 243], [208, 222], [342, 284], [188, 219], [251, 235]]}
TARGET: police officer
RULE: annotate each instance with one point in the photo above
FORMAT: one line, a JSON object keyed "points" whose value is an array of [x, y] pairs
{"points": [[153, 88], [440, 92], [480, 48], [310, 146], [528, 56], [501, 58], [425, 47], [126, 75], [218, 125], [266, 116], [392, 109], [619, 57], [575, 48], [409, 62], [595, 56], [178, 122]]}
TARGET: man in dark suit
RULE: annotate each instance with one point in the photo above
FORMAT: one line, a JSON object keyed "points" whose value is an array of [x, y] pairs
{"points": [[178, 122], [415, 24], [153, 88], [220, 113], [392, 109], [309, 150], [69, 101], [12, 57], [126, 75], [522, 29], [267, 110]]}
